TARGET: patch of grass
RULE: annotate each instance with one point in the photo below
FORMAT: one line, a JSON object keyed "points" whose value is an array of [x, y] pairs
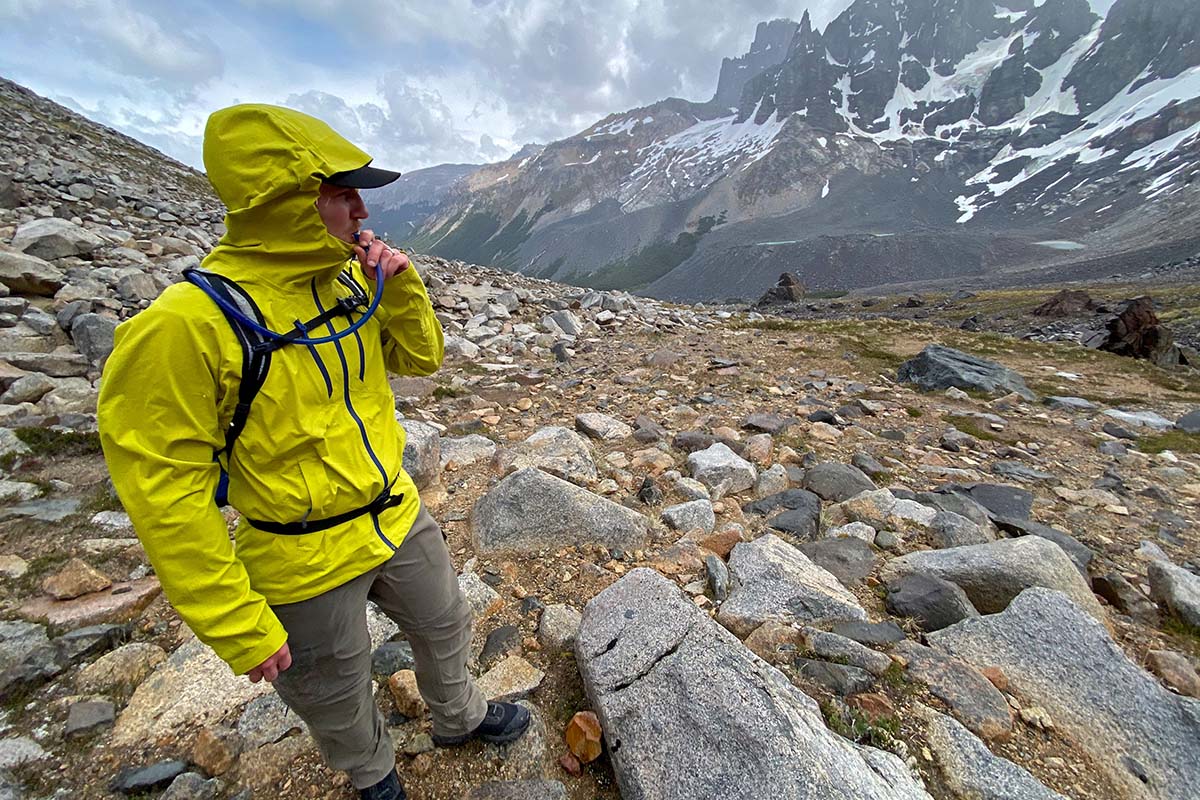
{"points": [[914, 412], [773, 324], [448, 392], [970, 426], [58, 444], [1187, 635], [1176, 441], [856, 726]]}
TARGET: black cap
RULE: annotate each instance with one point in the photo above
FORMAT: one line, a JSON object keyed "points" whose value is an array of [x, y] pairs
{"points": [[367, 177]]}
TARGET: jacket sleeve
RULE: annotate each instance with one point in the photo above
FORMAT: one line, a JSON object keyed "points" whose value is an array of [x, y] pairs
{"points": [[159, 427], [412, 335]]}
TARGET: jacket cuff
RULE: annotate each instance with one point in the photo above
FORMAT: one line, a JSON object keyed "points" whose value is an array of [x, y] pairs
{"points": [[267, 647]]}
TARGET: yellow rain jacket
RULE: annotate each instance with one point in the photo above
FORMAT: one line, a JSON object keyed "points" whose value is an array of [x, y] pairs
{"points": [[321, 438]]}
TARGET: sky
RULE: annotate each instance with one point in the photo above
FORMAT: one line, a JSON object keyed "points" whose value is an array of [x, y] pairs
{"points": [[414, 83]]}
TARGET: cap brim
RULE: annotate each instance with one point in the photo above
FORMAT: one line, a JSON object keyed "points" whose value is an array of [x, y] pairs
{"points": [[363, 178]]}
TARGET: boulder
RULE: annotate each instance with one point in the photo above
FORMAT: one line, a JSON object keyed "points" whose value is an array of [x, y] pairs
{"points": [[836, 482], [27, 658], [972, 698], [788, 289], [1067, 303], [933, 603], [993, 574], [774, 581], [467, 450], [1176, 589], [693, 514], [93, 336], [192, 687], [1058, 657], [556, 450], [422, 452], [1135, 331], [849, 559], [602, 426], [970, 770], [722, 470], [26, 274], [52, 238], [649, 659], [938, 367], [530, 510]]}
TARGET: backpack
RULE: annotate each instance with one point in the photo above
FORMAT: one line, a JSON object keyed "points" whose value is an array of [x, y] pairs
{"points": [[258, 343]]}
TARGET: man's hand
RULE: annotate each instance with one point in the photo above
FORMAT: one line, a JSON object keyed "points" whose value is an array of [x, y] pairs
{"points": [[271, 668], [374, 255]]}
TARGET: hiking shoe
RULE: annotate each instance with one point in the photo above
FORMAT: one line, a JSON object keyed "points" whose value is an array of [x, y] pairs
{"points": [[504, 723], [387, 789]]}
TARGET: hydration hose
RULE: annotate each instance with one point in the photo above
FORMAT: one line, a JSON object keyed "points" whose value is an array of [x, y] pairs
{"points": [[303, 339]]}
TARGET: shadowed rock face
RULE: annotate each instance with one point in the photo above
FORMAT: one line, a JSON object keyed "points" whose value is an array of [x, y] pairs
{"points": [[1136, 332], [689, 712]]}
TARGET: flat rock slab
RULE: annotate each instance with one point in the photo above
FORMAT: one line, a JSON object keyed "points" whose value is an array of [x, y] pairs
{"points": [[556, 450], [122, 603], [993, 574], [52, 510], [530, 510], [1058, 657], [192, 687], [774, 581], [650, 659], [969, 768], [938, 367], [511, 678], [972, 698]]}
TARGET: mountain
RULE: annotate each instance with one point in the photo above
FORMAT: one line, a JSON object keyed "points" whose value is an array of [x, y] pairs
{"points": [[993, 141], [399, 207]]}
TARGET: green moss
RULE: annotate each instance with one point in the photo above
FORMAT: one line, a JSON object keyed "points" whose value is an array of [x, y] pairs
{"points": [[1176, 441], [970, 426], [914, 412]]}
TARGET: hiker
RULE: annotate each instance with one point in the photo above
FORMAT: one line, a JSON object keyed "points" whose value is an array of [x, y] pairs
{"points": [[263, 378]]}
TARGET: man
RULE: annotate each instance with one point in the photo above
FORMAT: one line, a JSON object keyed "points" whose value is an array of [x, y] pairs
{"points": [[329, 517]]}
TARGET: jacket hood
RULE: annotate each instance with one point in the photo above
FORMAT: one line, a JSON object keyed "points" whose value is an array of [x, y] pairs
{"points": [[266, 164]]}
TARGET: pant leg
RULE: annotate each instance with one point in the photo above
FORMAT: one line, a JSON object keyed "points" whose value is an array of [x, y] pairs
{"points": [[329, 684], [418, 588]]}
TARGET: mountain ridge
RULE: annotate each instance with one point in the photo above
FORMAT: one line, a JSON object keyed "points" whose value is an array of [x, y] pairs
{"points": [[989, 120]]}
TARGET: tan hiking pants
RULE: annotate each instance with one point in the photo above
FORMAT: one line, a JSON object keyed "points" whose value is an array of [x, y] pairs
{"points": [[329, 684]]}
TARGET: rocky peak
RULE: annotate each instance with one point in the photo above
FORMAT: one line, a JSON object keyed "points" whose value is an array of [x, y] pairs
{"points": [[769, 48]]}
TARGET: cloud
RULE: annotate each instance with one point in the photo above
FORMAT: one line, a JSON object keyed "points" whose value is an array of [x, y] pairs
{"points": [[415, 84]]}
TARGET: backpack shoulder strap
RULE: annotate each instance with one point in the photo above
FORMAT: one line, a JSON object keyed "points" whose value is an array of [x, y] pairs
{"points": [[256, 349]]}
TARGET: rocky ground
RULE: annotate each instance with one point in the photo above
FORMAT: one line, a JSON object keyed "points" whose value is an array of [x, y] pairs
{"points": [[768, 564]]}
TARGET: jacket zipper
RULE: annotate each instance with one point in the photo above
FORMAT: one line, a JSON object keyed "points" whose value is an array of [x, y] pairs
{"points": [[362, 429]]}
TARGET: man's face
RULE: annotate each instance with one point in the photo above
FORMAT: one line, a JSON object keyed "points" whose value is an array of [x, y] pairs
{"points": [[341, 209]]}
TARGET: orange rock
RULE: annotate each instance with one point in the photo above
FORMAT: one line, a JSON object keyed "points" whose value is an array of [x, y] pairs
{"points": [[997, 677], [403, 686], [583, 736], [873, 704]]}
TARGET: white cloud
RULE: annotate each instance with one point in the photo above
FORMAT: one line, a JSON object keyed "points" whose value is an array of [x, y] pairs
{"points": [[415, 83]]}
